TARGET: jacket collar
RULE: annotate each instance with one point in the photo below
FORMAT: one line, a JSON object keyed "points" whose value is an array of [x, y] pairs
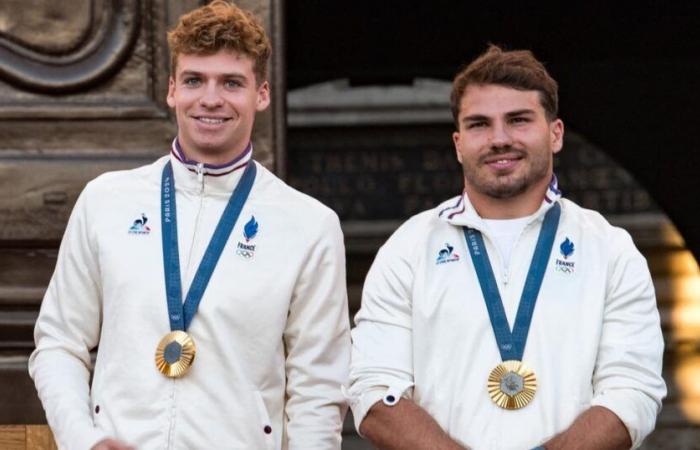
{"points": [[191, 175], [460, 212]]}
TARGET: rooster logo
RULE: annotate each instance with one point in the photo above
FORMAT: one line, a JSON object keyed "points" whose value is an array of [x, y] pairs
{"points": [[446, 255], [139, 226]]}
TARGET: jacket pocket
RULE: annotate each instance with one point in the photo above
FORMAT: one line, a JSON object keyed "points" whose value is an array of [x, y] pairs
{"points": [[264, 421]]}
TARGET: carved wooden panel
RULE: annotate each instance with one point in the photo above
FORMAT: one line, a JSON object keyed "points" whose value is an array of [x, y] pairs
{"points": [[82, 54], [82, 91]]}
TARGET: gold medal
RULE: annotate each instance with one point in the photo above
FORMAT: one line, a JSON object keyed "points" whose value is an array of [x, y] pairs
{"points": [[512, 385], [175, 354]]}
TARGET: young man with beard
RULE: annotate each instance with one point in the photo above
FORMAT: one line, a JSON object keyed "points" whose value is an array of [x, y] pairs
{"points": [[507, 317], [216, 292]]}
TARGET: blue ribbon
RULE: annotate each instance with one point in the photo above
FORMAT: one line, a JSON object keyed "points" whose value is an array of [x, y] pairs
{"points": [[512, 345], [180, 314]]}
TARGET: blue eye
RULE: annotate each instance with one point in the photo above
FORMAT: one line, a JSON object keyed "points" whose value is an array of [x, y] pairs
{"points": [[232, 84], [191, 81]]}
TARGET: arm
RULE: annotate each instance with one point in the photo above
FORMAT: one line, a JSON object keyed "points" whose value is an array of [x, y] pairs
{"points": [[317, 340], [381, 372], [66, 330], [597, 428], [404, 425], [627, 376]]}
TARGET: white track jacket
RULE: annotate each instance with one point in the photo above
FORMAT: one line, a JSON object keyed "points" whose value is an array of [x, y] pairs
{"points": [[424, 332], [272, 331]]}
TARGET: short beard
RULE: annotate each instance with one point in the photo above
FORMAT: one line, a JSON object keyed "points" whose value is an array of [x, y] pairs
{"points": [[506, 186]]}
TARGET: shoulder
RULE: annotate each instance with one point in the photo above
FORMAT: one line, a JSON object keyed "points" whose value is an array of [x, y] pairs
{"points": [[299, 210], [595, 227], [413, 235], [127, 179], [111, 190]]}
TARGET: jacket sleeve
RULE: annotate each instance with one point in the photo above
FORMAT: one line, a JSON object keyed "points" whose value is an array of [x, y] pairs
{"points": [[382, 361], [317, 340], [627, 378], [66, 330]]}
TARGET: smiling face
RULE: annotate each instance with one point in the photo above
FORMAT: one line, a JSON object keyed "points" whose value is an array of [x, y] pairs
{"points": [[505, 143], [215, 98]]}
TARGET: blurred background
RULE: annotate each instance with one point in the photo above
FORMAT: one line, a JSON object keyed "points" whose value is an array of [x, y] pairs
{"points": [[360, 120]]}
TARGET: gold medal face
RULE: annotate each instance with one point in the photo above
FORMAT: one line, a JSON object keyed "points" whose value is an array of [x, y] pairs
{"points": [[175, 354], [512, 385]]}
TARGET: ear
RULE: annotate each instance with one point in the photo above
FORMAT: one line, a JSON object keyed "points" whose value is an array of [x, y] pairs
{"points": [[456, 138], [263, 100], [556, 135], [170, 98]]}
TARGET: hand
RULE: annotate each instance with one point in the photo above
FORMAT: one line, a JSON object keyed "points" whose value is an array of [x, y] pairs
{"points": [[112, 444]]}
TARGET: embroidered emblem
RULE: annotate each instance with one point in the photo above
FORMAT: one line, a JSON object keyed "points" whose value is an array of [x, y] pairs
{"points": [[446, 255], [567, 249], [250, 230], [139, 226]]}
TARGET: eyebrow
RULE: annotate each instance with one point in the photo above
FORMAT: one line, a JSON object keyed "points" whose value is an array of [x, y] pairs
{"points": [[474, 118], [481, 117], [222, 75], [520, 112]]}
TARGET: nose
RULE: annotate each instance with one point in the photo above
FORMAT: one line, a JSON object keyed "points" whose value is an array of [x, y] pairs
{"points": [[211, 97], [500, 136]]}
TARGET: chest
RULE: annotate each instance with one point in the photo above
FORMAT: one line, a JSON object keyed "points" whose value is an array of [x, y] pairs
{"points": [[251, 283], [448, 300]]}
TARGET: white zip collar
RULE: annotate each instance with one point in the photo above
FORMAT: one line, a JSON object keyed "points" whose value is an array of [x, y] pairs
{"points": [[198, 177], [459, 210]]}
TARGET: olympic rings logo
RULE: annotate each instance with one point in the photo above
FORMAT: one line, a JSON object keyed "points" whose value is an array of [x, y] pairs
{"points": [[245, 253]]}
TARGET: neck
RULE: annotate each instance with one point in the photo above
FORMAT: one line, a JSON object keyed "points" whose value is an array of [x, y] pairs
{"points": [[521, 205]]}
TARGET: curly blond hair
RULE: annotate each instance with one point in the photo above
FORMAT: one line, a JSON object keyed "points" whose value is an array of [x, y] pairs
{"points": [[220, 25]]}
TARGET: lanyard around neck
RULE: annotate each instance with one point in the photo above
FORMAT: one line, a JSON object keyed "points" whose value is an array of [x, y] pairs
{"points": [[511, 345], [180, 314]]}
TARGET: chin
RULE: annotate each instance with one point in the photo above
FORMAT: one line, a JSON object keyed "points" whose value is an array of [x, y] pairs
{"points": [[503, 188]]}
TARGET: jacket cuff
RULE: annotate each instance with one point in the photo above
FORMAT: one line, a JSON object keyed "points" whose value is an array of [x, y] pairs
{"points": [[362, 403], [637, 414]]}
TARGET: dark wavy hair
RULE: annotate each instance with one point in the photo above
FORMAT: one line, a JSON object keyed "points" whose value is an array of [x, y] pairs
{"points": [[518, 69]]}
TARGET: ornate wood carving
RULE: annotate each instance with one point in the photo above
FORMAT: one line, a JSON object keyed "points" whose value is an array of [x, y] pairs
{"points": [[95, 49], [109, 61]]}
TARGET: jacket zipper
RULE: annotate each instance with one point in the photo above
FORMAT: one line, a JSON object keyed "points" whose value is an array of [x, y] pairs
{"points": [[200, 179], [505, 269]]}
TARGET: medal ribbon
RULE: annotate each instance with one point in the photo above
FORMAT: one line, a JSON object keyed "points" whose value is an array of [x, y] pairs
{"points": [[512, 345], [180, 314]]}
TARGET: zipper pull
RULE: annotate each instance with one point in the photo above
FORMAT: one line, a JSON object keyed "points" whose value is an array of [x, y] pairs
{"points": [[200, 174]]}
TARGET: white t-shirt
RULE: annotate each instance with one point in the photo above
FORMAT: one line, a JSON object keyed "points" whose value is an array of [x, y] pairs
{"points": [[505, 233]]}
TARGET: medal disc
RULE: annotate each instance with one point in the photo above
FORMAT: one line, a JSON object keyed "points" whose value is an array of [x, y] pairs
{"points": [[175, 354], [512, 385]]}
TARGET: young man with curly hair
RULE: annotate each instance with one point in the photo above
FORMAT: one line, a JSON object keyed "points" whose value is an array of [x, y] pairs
{"points": [[508, 317], [216, 292]]}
